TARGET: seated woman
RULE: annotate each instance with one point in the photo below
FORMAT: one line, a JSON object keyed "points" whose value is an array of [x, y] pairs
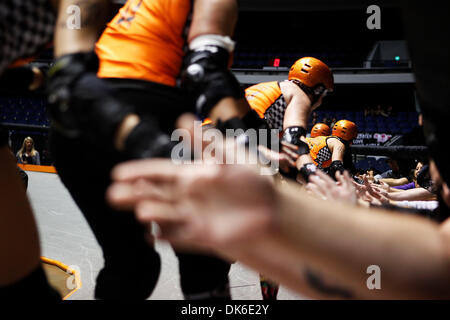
{"points": [[27, 154]]}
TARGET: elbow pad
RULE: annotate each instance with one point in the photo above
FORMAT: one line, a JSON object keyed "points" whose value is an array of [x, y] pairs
{"points": [[335, 167], [292, 135], [206, 79]]}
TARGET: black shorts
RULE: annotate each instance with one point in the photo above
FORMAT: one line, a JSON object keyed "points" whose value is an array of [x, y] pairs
{"points": [[86, 172]]}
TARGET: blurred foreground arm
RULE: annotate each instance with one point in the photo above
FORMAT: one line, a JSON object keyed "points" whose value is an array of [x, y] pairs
{"points": [[214, 208]]}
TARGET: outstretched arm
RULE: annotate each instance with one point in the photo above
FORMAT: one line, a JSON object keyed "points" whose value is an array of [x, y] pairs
{"points": [[417, 194], [336, 240]]}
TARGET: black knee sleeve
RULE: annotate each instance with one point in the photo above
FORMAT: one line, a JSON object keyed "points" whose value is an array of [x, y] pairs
{"points": [[204, 277], [129, 279]]}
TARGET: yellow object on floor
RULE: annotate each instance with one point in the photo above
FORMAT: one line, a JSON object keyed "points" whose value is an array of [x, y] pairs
{"points": [[64, 279]]}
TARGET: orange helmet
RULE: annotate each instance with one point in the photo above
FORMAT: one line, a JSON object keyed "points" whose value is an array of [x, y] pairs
{"points": [[314, 74], [320, 129], [345, 130]]}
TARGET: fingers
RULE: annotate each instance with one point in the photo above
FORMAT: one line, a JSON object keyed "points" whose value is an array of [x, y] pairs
{"points": [[316, 190], [269, 154], [325, 177], [186, 121], [342, 178], [284, 159], [125, 196], [290, 153], [288, 146], [323, 183], [154, 169], [287, 159]]}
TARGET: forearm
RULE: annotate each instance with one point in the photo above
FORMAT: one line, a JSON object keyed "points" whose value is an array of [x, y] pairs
{"points": [[272, 259], [93, 18], [344, 242], [395, 182], [418, 194]]}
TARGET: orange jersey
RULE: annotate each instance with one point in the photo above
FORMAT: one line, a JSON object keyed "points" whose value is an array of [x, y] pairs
{"points": [[319, 151], [268, 101], [145, 41]]}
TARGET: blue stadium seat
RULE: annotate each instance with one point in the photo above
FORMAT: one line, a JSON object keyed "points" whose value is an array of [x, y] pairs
{"points": [[362, 165]]}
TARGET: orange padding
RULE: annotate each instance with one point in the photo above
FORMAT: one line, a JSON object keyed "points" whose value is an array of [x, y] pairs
{"points": [[32, 167], [67, 269]]}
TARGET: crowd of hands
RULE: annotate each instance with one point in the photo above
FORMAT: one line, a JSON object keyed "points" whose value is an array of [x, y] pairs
{"points": [[212, 206]]}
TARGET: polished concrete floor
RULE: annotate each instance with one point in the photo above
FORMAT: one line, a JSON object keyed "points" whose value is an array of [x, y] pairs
{"points": [[66, 237]]}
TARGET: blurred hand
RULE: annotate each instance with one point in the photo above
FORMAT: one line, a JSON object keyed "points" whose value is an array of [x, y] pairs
{"points": [[200, 207], [285, 160], [322, 186]]}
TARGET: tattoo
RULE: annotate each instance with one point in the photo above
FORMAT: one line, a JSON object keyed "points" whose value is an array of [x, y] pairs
{"points": [[316, 282]]}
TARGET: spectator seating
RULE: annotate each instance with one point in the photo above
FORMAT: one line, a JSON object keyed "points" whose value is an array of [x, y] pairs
{"points": [[336, 55], [401, 123], [28, 111], [379, 164]]}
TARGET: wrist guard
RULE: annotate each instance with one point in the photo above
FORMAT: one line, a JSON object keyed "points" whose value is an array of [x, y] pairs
{"points": [[336, 166], [206, 79], [81, 104]]}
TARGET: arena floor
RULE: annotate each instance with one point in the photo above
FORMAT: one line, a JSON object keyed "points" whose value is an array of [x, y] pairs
{"points": [[66, 237]]}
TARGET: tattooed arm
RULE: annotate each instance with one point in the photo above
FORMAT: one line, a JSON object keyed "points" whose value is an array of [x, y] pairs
{"points": [[92, 16]]}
